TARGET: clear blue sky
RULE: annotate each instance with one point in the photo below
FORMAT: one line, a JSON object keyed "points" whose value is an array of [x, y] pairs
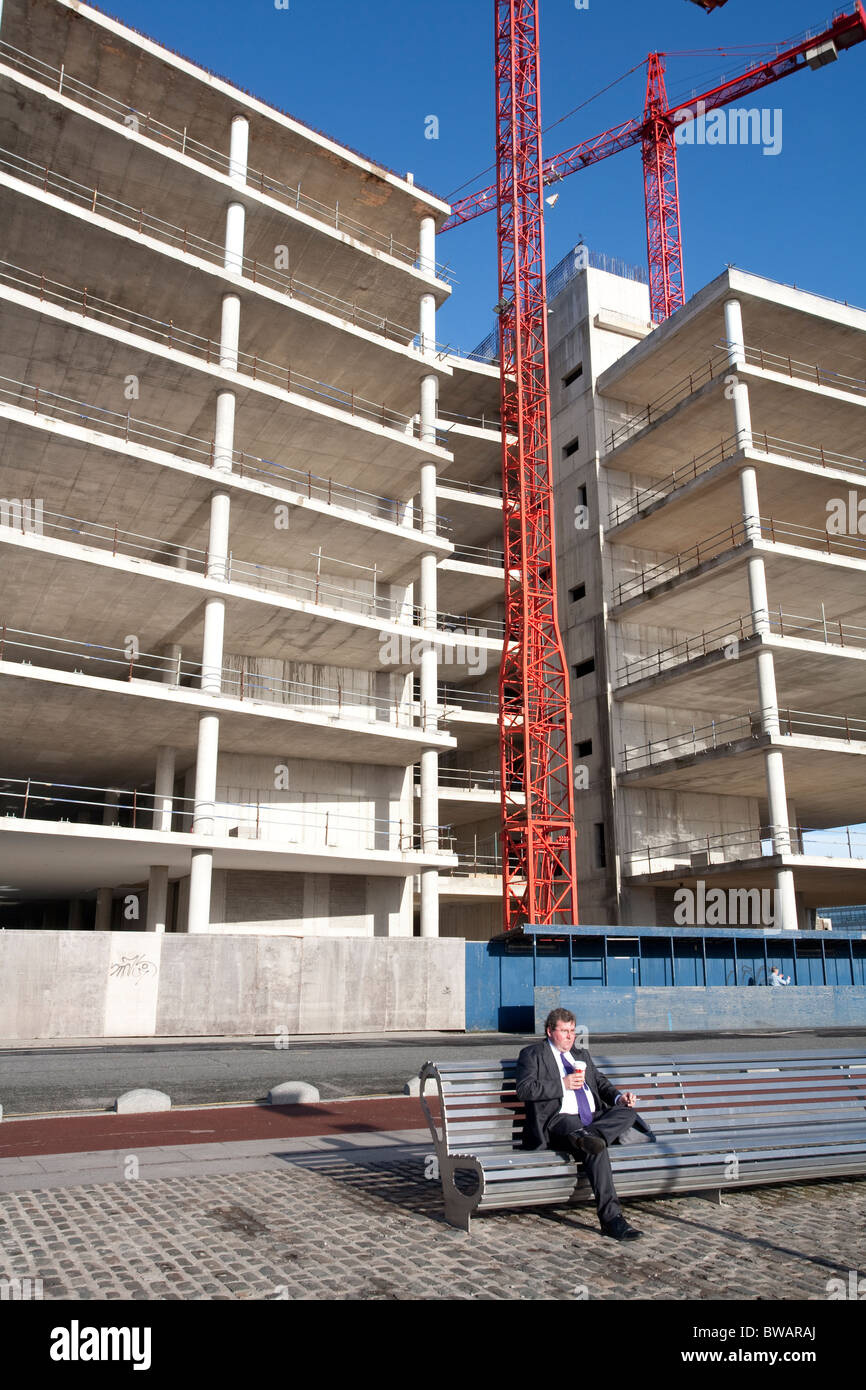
{"points": [[369, 74]]}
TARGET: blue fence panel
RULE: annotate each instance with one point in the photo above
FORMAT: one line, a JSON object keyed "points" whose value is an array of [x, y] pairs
{"points": [[837, 963], [482, 989], [809, 964], [623, 966], [688, 963], [517, 1001], [751, 963], [656, 967], [587, 961], [721, 965], [782, 955]]}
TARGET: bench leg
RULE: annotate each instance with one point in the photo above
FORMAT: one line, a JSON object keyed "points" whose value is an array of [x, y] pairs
{"points": [[459, 1206], [713, 1195]]}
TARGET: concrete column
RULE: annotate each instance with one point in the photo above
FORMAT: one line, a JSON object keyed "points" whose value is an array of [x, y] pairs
{"points": [[173, 657], [736, 355], [774, 767], [157, 898], [224, 431], [207, 752], [109, 814], [104, 898], [786, 901], [163, 790], [429, 808], [230, 324], [239, 143], [233, 258], [205, 774], [734, 331], [427, 262], [73, 921], [200, 877]]}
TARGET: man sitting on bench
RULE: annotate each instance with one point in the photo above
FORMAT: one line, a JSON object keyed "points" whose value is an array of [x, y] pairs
{"points": [[572, 1107]]}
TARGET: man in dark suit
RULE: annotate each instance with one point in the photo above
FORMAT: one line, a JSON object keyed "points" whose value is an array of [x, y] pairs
{"points": [[570, 1106]]}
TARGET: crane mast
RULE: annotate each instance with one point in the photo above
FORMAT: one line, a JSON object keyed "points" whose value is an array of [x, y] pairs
{"points": [[538, 849]]}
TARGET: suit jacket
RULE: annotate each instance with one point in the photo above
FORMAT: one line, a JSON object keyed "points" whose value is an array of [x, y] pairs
{"points": [[539, 1086]]}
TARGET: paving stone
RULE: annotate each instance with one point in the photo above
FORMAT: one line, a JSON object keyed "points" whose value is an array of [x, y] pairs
{"points": [[326, 1226]]}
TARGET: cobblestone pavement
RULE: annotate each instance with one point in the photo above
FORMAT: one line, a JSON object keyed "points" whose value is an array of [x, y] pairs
{"points": [[326, 1226]]}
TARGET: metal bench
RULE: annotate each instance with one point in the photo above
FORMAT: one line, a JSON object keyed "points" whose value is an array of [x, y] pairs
{"points": [[720, 1122]]}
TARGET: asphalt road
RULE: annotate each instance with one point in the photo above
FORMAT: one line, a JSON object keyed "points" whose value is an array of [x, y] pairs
{"points": [[37, 1079]]}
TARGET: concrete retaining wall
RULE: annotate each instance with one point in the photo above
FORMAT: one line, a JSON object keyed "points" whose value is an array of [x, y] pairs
{"points": [[681, 1008], [62, 984]]}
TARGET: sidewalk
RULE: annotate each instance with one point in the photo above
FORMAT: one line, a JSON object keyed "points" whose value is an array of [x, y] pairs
{"points": [[333, 1203]]}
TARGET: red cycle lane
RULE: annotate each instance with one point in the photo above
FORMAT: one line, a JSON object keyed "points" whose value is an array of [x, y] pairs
{"points": [[221, 1124]]}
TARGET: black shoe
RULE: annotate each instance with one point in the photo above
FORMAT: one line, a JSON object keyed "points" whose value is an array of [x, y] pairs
{"points": [[589, 1143], [620, 1230]]}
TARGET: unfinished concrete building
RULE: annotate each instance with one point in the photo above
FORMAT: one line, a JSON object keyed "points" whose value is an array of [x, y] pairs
{"points": [[711, 569], [234, 613]]}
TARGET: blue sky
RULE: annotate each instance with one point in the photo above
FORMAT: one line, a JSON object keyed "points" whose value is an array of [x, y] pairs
{"points": [[370, 73]]}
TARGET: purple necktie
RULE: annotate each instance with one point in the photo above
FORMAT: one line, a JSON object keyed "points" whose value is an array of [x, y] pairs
{"points": [[583, 1110]]}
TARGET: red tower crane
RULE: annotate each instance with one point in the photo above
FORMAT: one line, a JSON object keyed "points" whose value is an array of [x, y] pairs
{"points": [[655, 132], [538, 858]]}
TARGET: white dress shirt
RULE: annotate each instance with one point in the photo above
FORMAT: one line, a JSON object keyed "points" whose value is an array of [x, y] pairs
{"points": [[569, 1097]]}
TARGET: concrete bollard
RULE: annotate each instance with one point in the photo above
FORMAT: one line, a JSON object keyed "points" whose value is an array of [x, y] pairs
{"points": [[142, 1102], [293, 1093], [413, 1087]]}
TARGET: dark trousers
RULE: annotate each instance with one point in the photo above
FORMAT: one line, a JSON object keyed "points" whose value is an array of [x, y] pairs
{"points": [[608, 1125]]}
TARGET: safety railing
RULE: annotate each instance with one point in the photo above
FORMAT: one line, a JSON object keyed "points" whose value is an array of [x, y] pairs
{"points": [[445, 419], [491, 555], [718, 364], [242, 680], [174, 338], [305, 587], [471, 862], [758, 441], [803, 371], [466, 624], [184, 239], [714, 366], [459, 486], [737, 534], [149, 126], [722, 733], [137, 808], [145, 433], [467, 779], [456, 698], [759, 842], [831, 632]]}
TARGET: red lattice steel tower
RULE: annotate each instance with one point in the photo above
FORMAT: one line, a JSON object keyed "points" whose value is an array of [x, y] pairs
{"points": [[663, 236], [538, 859]]}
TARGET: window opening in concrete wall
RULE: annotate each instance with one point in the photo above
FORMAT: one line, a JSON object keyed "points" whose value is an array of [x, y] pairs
{"points": [[583, 668], [577, 593], [600, 850], [573, 374]]}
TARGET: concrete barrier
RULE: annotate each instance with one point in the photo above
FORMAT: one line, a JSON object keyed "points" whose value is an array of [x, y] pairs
{"points": [[702, 1009], [293, 1093], [78, 984], [142, 1101]]}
